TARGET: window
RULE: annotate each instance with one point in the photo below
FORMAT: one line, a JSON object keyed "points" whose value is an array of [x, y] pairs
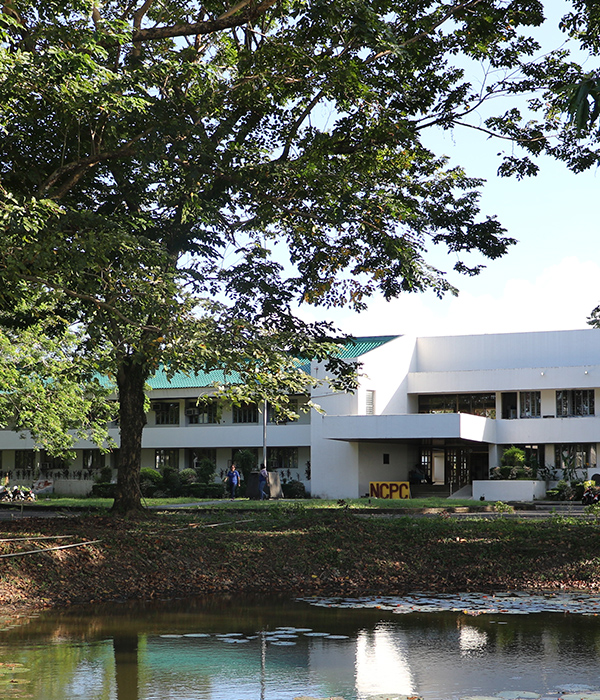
{"points": [[575, 402], [530, 404], [475, 404], [195, 456], [285, 458], [370, 402], [573, 456], [246, 413], [93, 459], [166, 458], [202, 414], [166, 412], [24, 459], [273, 416]]}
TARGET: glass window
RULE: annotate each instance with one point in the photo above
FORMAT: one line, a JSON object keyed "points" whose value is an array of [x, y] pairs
{"points": [[203, 413], [575, 456], [166, 458], [283, 458], [24, 459], [193, 457], [273, 416], [475, 404], [246, 413], [166, 412], [531, 404], [93, 459], [575, 402]]}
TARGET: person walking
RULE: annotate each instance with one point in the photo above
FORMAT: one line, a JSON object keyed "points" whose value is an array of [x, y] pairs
{"points": [[263, 480], [233, 480]]}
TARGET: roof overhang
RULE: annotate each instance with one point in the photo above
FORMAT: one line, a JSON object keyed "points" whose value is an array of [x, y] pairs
{"points": [[385, 428]]}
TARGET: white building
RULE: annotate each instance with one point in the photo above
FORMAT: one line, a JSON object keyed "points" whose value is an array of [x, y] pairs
{"points": [[449, 405]]}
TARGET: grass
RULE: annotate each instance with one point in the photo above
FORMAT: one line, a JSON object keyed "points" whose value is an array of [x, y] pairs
{"points": [[373, 504], [292, 549]]}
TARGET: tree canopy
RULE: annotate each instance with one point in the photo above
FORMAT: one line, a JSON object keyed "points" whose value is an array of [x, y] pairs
{"points": [[176, 177]]}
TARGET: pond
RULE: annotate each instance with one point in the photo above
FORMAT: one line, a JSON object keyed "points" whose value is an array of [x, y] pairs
{"points": [[231, 648]]}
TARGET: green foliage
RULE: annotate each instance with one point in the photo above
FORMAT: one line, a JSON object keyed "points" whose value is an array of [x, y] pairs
{"points": [[245, 461], [188, 476], [155, 172], [150, 481], [513, 457], [500, 507], [47, 390], [294, 489], [205, 470]]}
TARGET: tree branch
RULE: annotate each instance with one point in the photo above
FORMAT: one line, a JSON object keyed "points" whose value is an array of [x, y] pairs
{"points": [[449, 15], [78, 168], [230, 19]]}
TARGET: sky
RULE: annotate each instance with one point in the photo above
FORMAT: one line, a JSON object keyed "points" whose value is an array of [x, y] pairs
{"points": [[550, 280]]}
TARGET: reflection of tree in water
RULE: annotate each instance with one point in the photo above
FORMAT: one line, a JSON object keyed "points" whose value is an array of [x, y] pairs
{"points": [[126, 666]]}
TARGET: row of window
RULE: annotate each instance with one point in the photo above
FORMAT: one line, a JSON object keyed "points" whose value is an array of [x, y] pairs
{"points": [[285, 458], [525, 404], [168, 413]]}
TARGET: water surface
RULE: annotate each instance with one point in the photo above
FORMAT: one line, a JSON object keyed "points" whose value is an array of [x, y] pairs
{"points": [[234, 648]]}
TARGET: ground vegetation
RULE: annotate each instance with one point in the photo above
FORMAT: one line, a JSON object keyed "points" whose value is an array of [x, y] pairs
{"points": [[291, 550]]}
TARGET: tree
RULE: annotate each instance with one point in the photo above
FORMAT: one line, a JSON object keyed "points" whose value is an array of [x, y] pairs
{"points": [[48, 393], [175, 177]]}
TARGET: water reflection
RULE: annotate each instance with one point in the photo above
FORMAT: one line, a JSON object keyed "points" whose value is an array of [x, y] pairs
{"points": [[279, 650]]}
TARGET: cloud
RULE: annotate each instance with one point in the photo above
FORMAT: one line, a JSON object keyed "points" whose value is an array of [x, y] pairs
{"points": [[559, 297]]}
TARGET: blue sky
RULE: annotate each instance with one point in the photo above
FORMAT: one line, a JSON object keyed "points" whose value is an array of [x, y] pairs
{"points": [[548, 281]]}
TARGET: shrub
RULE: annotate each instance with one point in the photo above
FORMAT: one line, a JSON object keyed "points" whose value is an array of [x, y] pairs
{"points": [[188, 476], [206, 490], [205, 469], [513, 457], [294, 489], [171, 483], [150, 481], [245, 461], [105, 490]]}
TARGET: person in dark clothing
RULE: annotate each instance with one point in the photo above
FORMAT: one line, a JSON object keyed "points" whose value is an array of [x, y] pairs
{"points": [[263, 480]]}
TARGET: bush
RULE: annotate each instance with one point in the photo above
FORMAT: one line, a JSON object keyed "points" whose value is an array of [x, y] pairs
{"points": [[188, 476], [105, 475], [171, 483], [206, 490], [294, 489], [205, 469], [104, 490], [513, 457], [150, 481]]}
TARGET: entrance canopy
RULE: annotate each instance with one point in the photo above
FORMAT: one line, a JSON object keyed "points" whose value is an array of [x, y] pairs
{"points": [[459, 426]]}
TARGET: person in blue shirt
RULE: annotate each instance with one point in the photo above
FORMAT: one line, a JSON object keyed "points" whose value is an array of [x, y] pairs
{"points": [[233, 480]]}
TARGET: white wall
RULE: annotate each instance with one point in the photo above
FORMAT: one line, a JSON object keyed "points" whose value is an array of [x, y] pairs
{"points": [[385, 371], [402, 458]]}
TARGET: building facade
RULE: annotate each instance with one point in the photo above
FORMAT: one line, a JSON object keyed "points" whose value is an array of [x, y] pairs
{"points": [[445, 406]]}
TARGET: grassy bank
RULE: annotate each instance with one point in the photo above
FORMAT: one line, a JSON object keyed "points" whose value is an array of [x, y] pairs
{"points": [[289, 549]]}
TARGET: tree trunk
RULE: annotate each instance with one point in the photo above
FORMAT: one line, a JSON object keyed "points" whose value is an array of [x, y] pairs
{"points": [[131, 380]]}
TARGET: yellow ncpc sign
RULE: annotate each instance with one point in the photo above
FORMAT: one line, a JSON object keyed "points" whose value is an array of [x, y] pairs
{"points": [[389, 489]]}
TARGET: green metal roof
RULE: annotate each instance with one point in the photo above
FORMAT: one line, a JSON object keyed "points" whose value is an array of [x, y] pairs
{"points": [[352, 350], [362, 345], [193, 380]]}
